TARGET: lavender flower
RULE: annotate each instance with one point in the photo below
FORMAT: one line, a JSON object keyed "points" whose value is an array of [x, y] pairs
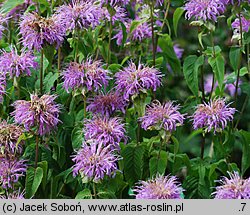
{"points": [[233, 187], [114, 2], [120, 14], [132, 80], [245, 23], [14, 195], [2, 85], [9, 135], [141, 32], [160, 116], [95, 161], [41, 113], [161, 187], [11, 170], [3, 21], [89, 74], [107, 104], [16, 65], [109, 131], [213, 115], [38, 31], [204, 9], [80, 14]]}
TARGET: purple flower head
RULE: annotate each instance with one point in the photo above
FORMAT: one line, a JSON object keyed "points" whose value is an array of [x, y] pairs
{"points": [[17, 194], [9, 135], [89, 74], [213, 115], [11, 170], [233, 187], [3, 22], [94, 161], [132, 79], [109, 131], [161, 187], [17, 65], [162, 116], [41, 113], [141, 32], [80, 14], [107, 104], [204, 9], [114, 2], [120, 14], [244, 22], [38, 31], [2, 85]]}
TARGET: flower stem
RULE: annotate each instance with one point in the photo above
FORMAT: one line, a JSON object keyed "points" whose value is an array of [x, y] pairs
{"points": [[84, 106], [203, 145], [152, 30], [41, 72], [238, 72], [110, 35], [37, 150], [94, 191]]}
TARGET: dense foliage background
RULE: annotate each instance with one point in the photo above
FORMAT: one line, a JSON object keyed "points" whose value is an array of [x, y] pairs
{"points": [[186, 53]]}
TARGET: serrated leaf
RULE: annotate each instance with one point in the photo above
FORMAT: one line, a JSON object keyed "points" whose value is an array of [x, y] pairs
{"points": [[133, 163], [177, 15], [33, 180], [158, 165], [218, 66], [84, 194]]}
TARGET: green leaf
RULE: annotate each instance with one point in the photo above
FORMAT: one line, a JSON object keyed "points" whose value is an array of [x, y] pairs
{"points": [[77, 137], [44, 166], [177, 15], [190, 69], [49, 81], [245, 141], [158, 165], [84, 194], [33, 180], [133, 162], [218, 66], [166, 45], [10, 4], [235, 56]]}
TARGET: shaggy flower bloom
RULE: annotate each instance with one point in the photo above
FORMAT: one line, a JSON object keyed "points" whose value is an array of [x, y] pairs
{"points": [[3, 21], [2, 85], [9, 135], [233, 187], [141, 32], [41, 113], [11, 170], [109, 131], [80, 15], [16, 65], [89, 74], [245, 24], [95, 161], [132, 80], [38, 31], [204, 9], [213, 115], [120, 14], [14, 195], [160, 116], [114, 2], [161, 187], [107, 104]]}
